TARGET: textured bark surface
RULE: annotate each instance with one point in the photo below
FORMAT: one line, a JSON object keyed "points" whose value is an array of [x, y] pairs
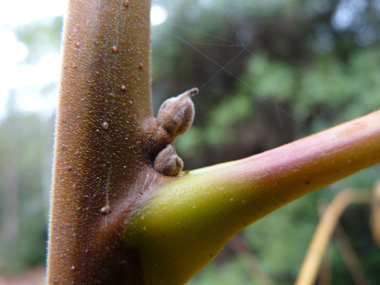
{"points": [[111, 154], [105, 95]]}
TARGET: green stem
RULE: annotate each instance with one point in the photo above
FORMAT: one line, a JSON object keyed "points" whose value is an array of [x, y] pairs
{"points": [[189, 219]]}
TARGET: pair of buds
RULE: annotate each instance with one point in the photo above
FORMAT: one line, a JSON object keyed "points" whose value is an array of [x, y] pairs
{"points": [[175, 117]]}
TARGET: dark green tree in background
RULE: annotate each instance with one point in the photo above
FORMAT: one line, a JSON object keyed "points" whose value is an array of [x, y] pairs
{"points": [[269, 72]]}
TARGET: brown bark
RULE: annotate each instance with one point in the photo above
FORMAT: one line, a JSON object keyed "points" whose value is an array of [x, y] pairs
{"points": [[108, 158], [105, 95]]}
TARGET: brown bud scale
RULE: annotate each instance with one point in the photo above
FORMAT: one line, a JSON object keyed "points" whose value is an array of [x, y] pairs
{"points": [[168, 162], [176, 114]]}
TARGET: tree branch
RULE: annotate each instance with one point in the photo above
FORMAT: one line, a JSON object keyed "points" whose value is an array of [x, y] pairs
{"points": [[116, 215], [104, 96], [189, 219]]}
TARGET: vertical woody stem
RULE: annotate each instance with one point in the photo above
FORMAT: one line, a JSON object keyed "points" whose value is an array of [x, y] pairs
{"points": [[104, 95]]}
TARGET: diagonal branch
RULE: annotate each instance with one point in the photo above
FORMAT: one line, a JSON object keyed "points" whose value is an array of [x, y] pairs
{"points": [[195, 215]]}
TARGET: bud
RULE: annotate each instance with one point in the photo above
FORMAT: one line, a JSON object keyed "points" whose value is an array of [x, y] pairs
{"points": [[168, 162], [155, 138], [177, 114]]}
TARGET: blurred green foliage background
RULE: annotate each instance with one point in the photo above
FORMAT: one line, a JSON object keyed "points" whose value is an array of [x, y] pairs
{"points": [[269, 72]]}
